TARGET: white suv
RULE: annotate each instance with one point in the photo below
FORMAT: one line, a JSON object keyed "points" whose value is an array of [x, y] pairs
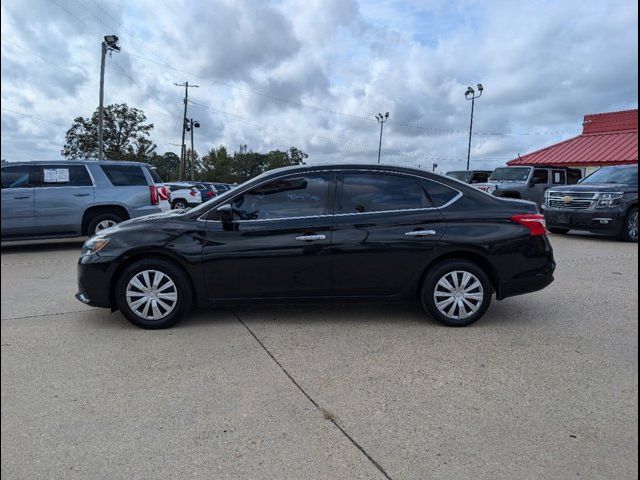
{"points": [[184, 195]]}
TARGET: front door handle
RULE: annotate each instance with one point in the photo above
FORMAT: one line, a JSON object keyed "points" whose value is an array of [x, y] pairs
{"points": [[22, 198], [80, 194], [421, 233], [310, 238]]}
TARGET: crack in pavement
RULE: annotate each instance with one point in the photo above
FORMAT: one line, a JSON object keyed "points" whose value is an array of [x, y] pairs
{"points": [[324, 412], [47, 314]]}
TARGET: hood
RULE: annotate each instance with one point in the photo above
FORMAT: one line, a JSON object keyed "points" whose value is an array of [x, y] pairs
{"points": [[596, 187], [138, 222]]}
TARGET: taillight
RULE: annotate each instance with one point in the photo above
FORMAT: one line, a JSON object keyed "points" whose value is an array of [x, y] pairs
{"points": [[163, 193], [153, 193], [210, 193], [533, 221], [193, 192]]}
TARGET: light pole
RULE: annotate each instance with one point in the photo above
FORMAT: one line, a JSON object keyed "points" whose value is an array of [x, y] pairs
{"points": [[381, 119], [109, 44], [192, 124], [470, 94]]}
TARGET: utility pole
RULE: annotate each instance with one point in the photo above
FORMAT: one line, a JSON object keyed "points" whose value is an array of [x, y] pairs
{"points": [[109, 44], [381, 119], [184, 127], [435, 165], [192, 124], [470, 94]]}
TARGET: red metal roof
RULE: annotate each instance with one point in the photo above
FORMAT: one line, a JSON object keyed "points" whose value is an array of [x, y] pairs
{"points": [[607, 139]]}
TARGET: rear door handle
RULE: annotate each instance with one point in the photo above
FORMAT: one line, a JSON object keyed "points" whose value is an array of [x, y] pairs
{"points": [[421, 233], [310, 238], [23, 197], [80, 194]]}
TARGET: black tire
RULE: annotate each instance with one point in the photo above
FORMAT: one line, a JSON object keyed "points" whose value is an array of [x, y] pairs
{"points": [[179, 204], [175, 274], [630, 227], [559, 231], [441, 270], [100, 221]]}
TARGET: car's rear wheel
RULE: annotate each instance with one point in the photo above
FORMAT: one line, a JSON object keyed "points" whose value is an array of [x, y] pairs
{"points": [[559, 231], [630, 228], [180, 205], [456, 292], [153, 293], [103, 221]]}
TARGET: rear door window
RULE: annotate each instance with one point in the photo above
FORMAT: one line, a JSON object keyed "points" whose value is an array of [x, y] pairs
{"points": [[16, 177], [440, 194], [559, 177], [378, 192], [540, 177], [62, 176], [125, 175]]}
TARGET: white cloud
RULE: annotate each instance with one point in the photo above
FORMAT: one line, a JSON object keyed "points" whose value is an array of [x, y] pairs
{"points": [[313, 73]]}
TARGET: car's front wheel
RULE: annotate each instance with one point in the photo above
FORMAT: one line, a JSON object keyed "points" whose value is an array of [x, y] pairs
{"points": [[153, 293], [630, 228], [456, 292]]}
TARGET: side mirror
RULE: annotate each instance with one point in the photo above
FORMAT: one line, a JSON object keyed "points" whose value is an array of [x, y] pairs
{"points": [[226, 213]]}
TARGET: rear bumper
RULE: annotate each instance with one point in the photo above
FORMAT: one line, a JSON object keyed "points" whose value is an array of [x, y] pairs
{"points": [[527, 282], [603, 221]]}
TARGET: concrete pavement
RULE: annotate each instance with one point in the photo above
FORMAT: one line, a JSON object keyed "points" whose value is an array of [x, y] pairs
{"points": [[545, 386]]}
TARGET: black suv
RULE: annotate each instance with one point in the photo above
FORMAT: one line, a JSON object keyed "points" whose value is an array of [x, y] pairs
{"points": [[605, 202], [315, 233]]}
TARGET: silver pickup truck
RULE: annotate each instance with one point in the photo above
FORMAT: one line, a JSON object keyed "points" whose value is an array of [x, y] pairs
{"points": [[71, 198], [528, 183]]}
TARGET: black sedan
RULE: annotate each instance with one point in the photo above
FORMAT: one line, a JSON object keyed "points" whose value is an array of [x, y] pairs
{"points": [[317, 233]]}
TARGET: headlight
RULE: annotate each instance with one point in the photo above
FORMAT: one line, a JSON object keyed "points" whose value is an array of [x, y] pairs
{"points": [[94, 245], [610, 200]]}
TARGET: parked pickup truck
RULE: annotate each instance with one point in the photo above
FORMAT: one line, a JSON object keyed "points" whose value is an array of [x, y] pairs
{"points": [[528, 183]]}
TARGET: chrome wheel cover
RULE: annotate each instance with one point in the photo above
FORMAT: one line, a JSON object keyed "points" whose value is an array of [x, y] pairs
{"points": [[105, 224], [458, 295], [632, 226], [151, 295]]}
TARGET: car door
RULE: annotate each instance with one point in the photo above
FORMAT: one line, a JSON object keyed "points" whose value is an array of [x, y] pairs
{"points": [[62, 194], [277, 244], [18, 214], [385, 230]]}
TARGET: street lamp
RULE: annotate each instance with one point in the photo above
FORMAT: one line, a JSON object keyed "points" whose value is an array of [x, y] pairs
{"points": [[192, 124], [109, 44], [381, 119], [470, 94]]}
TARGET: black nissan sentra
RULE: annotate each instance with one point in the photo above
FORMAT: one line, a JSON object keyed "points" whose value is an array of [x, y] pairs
{"points": [[320, 233]]}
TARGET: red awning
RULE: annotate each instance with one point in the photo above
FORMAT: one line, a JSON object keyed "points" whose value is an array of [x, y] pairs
{"points": [[607, 139]]}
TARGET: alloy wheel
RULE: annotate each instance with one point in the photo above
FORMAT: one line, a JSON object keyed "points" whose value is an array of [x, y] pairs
{"points": [[105, 224], [151, 295], [458, 295]]}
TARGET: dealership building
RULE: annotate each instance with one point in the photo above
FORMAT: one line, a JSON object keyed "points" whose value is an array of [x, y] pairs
{"points": [[607, 139]]}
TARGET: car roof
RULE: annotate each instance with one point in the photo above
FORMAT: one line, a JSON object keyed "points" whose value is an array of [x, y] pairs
{"points": [[79, 162]]}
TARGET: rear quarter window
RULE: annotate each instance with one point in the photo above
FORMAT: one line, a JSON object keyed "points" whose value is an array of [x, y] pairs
{"points": [[440, 194], [125, 175], [154, 175]]}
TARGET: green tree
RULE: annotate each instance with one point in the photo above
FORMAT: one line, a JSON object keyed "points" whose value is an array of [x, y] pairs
{"points": [[217, 165], [167, 165], [125, 135]]}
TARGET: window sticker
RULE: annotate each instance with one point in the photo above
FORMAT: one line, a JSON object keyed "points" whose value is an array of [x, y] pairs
{"points": [[62, 175], [56, 175]]}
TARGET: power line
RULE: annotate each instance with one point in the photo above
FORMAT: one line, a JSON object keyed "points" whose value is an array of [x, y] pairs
{"points": [[33, 116]]}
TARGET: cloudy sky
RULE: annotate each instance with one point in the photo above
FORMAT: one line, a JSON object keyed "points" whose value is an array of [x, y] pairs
{"points": [[313, 73]]}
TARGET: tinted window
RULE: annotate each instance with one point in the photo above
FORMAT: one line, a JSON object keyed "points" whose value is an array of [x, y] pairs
{"points": [[621, 175], [15, 177], [479, 177], [154, 175], [303, 196], [463, 176], [574, 176], [62, 176], [540, 177], [510, 174], [125, 175], [440, 194], [372, 192]]}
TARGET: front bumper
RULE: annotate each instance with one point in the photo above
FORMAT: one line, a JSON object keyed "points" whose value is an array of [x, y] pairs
{"points": [[94, 281], [606, 221]]}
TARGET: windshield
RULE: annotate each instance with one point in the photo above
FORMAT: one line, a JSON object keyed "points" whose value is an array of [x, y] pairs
{"points": [[510, 174], [622, 175], [463, 175]]}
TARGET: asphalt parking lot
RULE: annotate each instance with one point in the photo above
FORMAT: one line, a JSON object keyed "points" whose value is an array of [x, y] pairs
{"points": [[544, 387]]}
